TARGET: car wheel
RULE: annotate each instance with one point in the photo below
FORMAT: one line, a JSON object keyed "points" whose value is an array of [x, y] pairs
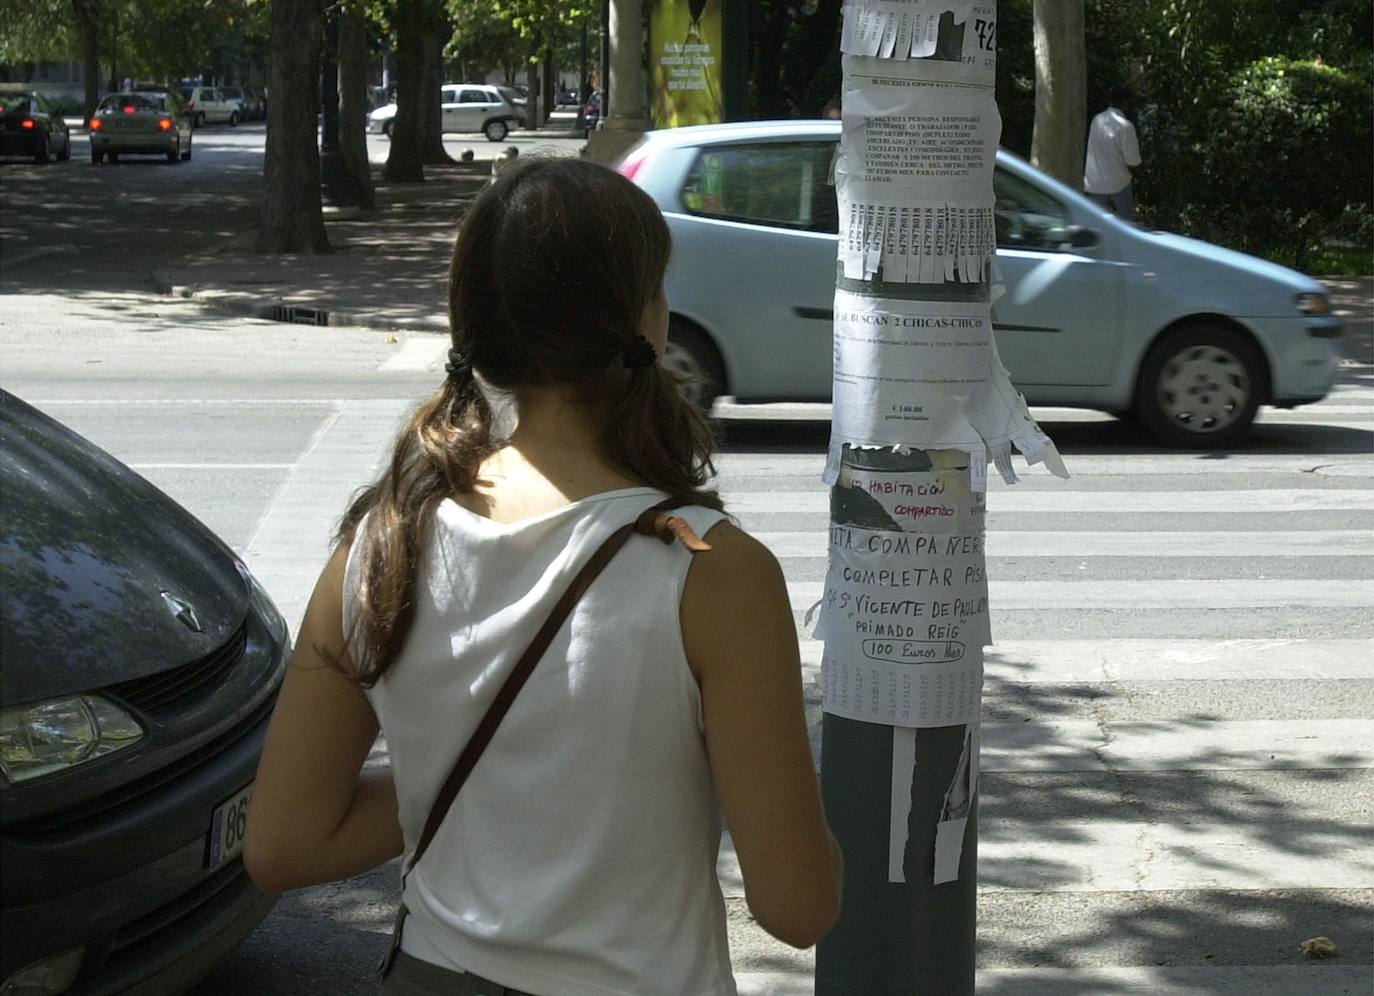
{"points": [[112, 156], [174, 153], [97, 157], [186, 156], [199, 121], [386, 129], [233, 119], [693, 359], [66, 152], [1200, 387], [495, 130], [40, 154]]}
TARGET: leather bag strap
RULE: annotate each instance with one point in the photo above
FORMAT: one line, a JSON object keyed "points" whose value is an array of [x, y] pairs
{"points": [[653, 521]]}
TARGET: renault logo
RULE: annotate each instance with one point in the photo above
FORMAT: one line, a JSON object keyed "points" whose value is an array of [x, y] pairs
{"points": [[183, 611]]}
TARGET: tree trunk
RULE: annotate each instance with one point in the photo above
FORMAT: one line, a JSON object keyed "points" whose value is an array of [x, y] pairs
{"points": [[534, 69], [292, 216], [550, 83], [405, 162], [1061, 95], [353, 108], [767, 31], [433, 144], [88, 26]]}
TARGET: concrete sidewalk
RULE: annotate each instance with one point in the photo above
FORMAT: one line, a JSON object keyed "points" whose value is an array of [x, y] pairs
{"points": [[389, 268]]}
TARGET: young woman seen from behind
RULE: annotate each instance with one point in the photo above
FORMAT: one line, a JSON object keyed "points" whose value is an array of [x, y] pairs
{"points": [[579, 859]]}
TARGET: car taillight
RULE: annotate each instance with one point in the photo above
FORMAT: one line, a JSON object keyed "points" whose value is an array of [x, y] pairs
{"points": [[129, 108], [164, 124], [26, 123], [631, 166], [96, 124]]}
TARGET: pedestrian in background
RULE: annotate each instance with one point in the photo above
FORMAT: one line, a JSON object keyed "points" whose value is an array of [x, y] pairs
{"points": [[579, 858], [1112, 151]]}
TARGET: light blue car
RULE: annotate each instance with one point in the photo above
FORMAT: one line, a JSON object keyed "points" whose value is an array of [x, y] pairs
{"points": [[1188, 336]]}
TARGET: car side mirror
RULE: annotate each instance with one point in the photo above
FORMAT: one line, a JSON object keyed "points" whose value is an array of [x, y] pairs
{"points": [[1083, 237]]}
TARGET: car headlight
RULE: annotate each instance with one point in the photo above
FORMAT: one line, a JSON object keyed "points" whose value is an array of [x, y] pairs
{"points": [[1313, 304], [42, 738]]}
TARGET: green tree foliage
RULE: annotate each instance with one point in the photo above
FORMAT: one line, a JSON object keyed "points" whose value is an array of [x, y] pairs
{"points": [[1254, 115], [501, 35]]}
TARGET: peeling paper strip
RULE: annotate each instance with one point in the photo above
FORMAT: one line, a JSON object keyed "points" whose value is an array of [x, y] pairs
{"points": [[949, 832], [903, 775]]}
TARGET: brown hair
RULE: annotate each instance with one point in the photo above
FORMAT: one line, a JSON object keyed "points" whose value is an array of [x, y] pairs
{"points": [[553, 268]]}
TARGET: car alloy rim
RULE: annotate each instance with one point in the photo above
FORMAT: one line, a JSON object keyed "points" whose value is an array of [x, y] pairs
{"points": [[1203, 389], [680, 361]]}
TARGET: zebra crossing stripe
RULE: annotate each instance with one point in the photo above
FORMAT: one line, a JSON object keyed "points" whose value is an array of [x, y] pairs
{"points": [[1024, 543], [1080, 661], [1162, 594], [1238, 503]]}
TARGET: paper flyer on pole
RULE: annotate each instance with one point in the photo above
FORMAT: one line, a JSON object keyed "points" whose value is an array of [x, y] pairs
{"points": [[904, 611], [926, 374]]}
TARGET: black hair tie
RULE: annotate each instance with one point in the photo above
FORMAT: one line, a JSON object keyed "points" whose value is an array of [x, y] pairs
{"points": [[458, 364], [639, 353]]}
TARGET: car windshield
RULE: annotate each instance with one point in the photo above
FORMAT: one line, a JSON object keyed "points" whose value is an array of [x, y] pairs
{"points": [[11, 102], [510, 93]]}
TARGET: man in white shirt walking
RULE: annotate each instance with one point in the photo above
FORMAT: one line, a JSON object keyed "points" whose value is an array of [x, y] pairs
{"points": [[1112, 151]]}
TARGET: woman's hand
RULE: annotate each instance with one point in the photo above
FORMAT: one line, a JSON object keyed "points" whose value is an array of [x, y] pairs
{"points": [[316, 816]]}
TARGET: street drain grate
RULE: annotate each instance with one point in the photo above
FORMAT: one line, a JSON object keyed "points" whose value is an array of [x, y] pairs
{"points": [[297, 315]]}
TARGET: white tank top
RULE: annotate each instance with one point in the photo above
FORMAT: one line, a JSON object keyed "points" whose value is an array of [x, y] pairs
{"points": [[579, 859]]}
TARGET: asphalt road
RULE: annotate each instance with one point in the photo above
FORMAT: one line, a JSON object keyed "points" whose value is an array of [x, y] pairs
{"points": [[1176, 786]]}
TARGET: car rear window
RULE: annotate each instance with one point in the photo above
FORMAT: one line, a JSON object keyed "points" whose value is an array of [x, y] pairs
{"points": [[779, 184], [138, 101], [14, 103]]}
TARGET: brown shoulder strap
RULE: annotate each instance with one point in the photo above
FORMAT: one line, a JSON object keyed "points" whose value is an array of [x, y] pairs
{"points": [[654, 522]]}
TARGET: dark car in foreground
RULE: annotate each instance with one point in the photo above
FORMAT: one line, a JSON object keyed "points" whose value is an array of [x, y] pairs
{"points": [[31, 127], [139, 663]]}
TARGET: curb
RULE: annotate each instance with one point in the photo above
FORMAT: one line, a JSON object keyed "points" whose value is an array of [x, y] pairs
{"points": [[282, 310]]}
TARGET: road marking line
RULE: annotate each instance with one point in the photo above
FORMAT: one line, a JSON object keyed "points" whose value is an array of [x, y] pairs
{"points": [[1241, 503], [1017, 662], [1221, 593], [140, 467], [1178, 745], [417, 353], [1026, 543]]}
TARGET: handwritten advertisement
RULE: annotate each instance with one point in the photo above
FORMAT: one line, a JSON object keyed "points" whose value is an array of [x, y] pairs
{"points": [[904, 612]]}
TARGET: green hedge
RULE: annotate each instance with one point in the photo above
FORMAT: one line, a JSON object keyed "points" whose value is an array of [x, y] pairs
{"points": [[1276, 162]]}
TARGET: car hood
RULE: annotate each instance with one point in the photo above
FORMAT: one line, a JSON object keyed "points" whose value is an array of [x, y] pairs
{"points": [[1209, 255], [87, 550]]}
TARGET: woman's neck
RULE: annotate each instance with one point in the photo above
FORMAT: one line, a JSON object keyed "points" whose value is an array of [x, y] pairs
{"points": [[558, 439]]}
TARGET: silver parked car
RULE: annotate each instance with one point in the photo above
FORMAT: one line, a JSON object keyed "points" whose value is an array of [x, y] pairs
{"points": [[467, 107], [1098, 313], [149, 122]]}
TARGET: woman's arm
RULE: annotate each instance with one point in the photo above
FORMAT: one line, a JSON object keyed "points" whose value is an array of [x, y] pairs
{"points": [[741, 643], [316, 816]]}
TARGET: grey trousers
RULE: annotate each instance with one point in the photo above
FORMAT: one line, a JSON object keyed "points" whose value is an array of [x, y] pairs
{"points": [[411, 976], [1121, 203]]}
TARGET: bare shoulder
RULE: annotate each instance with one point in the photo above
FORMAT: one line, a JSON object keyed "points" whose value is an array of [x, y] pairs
{"points": [[735, 604]]}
